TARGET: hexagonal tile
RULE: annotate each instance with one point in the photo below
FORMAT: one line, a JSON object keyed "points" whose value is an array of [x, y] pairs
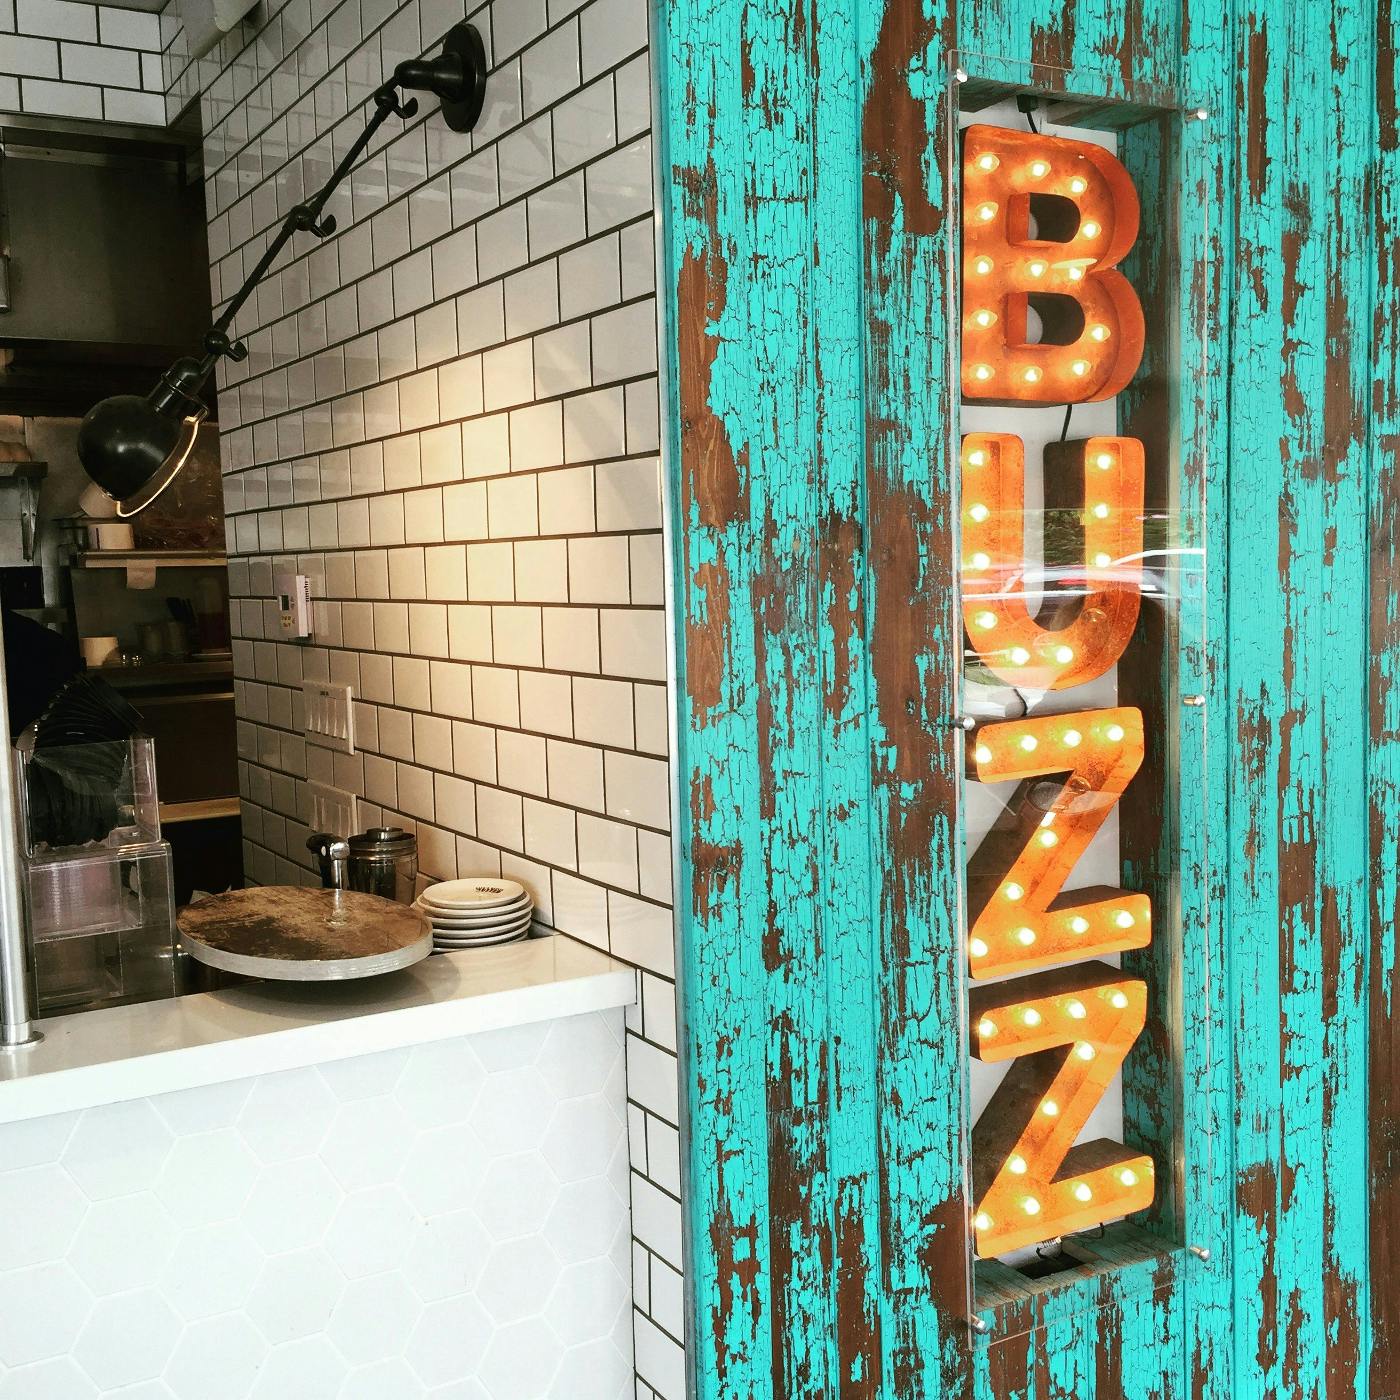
{"points": [[373, 1319], [599, 1370], [577, 1055], [449, 1340], [207, 1177], [469, 1389], [292, 1205], [34, 1141], [440, 1083], [42, 1310], [443, 1170], [364, 1076], [512, 1047], [216, 1358], [127, 1339], [310, 1369], [587, 1300], [212, 1270], [516, 1195], [584, 1221], [202, 1109], [41, 1208], [518, 1278], [447, 1255], [582, 1137], [521, 1361], [513, 1110], [287, 1115], [385, 1380], [295, 1294], [148, 1390], [117, 1149], [371, 1231], [364, 1146], [59, 1379], [123, 1244]]}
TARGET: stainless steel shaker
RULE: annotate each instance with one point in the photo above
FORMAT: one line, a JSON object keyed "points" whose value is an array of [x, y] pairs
{"points": [[382, 861]]}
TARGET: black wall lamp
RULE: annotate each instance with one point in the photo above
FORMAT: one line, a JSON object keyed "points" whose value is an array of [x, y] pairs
{"points": [[134, 447]]}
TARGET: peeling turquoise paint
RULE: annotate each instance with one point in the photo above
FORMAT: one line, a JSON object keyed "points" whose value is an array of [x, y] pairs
{"points": [[807, 255]]}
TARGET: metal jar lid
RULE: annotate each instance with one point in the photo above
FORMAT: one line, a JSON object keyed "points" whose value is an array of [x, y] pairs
{"points": [[383, 843]]}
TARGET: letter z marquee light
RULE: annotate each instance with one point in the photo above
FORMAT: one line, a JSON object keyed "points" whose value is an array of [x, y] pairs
{"points": [[1066, 1028]]}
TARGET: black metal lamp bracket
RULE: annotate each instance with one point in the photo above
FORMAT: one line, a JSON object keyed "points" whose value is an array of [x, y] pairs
{"points": [[456, 77]]}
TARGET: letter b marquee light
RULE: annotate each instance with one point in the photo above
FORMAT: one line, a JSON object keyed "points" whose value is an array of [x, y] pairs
{"points": [[1046, 220]]}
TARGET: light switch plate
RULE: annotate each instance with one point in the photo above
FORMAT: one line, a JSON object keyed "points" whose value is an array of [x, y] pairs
{"points": [[332, 809], [330, 715]]}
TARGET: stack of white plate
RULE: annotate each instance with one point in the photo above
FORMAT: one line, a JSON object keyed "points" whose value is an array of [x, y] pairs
{"points": [[476, 913]]}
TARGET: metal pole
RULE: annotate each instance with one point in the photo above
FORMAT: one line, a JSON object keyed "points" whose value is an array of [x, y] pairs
{"points": [[16, 1010]]}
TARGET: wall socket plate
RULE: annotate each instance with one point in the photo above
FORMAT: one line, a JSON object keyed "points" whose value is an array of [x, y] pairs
{"points": [[330, 715]]}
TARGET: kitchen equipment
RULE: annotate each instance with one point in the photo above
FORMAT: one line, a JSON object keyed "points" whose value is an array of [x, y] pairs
{"points": [[382, 861], [100, 651], [299, 935], [476, 913], [111, 535]]}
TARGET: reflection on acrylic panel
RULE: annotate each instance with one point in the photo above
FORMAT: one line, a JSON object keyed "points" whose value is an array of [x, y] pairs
{"points": [[1048, 320]]}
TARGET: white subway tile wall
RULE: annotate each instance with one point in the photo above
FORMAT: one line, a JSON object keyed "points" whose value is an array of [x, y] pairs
{"points": [[448, 419], [65, 58]]}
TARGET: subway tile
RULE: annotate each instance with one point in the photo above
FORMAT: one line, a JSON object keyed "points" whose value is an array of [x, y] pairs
{"points": [[532, 298], [651, 708], [598, 569], [446, 572], [564, 360], [512, 507], [499, 818], [642, 412], [514, 23], [418, 400], [436, 332], [411, 688], [432, 742], [607, 852], [549, 833], [638, 259], [585, 125], [423, 517], [550, 68], [633, 84], [496, 696], [491, 573], [129, 29], [396, 348], [455, 803], [603, 711], [440, 454], [634, 643], [454, 263], [516, 635], [386, 521], [502, 242], [570, 638], [589, 277], [648, 570], [619, 186], [594, 426], [624, 342], [508, 375], [427, 629], [537, 436], [541, 571], [520, 761], [474, 751], [90, 63], [557, 216], [60, 99], [451, 689], [610, 30], [629, 495], [525, 158], [580, 909], [638, 790], [464, 511], [643, 934], [460, 388], [546, 703], [406, 576], [566, 502], [575, 774], [486, 445], [56, 19], [654, 868]]}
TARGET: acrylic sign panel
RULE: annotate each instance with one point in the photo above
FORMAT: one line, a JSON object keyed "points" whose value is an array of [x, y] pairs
{"points": [[1049, 320]]}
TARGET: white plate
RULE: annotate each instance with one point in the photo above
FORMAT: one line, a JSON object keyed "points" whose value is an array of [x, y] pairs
{"points": [[453, 945], [443, 912], [494, 916], [472, 896], [461, 935]]}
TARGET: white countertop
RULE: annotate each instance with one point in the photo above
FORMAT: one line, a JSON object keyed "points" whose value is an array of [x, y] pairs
{"points": [[130, 1052]]}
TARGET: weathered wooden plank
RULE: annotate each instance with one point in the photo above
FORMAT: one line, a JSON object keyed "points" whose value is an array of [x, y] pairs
{"points": [[1383, 770]]}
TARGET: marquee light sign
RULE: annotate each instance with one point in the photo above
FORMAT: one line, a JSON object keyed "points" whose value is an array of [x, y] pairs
{"points": [[1045, 221]]}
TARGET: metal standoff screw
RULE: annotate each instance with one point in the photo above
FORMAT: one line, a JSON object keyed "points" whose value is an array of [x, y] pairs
{"points": [[1200, 1251], [959, 75], [980, 1325], [1201, 114], [1196, 702], [964, 722]]}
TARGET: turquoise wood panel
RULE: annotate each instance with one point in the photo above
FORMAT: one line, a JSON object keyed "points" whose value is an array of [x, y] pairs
{"points": [[806, 258]]}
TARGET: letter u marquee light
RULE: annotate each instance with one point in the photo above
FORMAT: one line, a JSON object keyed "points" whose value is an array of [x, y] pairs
{"points": [[1066, 1028]]}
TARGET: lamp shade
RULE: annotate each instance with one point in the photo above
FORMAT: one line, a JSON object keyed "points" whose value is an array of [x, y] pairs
{"points": [[133, 447]]}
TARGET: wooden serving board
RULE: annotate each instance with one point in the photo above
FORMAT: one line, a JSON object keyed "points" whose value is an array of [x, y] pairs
{"points": [[304, 935]]}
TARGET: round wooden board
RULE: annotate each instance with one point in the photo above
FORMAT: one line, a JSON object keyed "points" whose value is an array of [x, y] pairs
{"points": [[304, 935]]}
